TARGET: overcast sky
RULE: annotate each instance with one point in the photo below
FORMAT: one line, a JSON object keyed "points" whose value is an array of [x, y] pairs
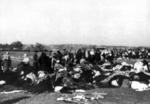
{"points": [[100, 22]]}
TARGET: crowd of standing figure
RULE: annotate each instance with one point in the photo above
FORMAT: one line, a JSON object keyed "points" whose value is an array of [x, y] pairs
{"points": [[47, 59], [92, 66]]}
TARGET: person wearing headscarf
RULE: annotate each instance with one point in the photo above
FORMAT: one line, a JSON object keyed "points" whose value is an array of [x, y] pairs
{"points": [[92, 55], [26, 59]]}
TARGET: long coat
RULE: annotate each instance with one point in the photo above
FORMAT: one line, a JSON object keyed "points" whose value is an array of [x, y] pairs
{"points": [[6, 64]]}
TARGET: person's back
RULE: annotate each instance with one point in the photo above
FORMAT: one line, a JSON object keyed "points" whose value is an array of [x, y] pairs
{"points": [[35, 61], [59, 55], [79, 56], [97, 56], [42, 60], [35, 57]]}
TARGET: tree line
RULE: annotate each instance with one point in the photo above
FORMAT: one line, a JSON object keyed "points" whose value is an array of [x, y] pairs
{"points": [[19, 46]]}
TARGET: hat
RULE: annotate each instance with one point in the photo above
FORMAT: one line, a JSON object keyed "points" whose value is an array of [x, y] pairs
{"points": [[7, 53], [77, 76], [106, 64], [77, 69], [131, 65], [78, 66], [92, 52], [57, 61], [25, 55], [62, 69], [41, 74], [82, 60], [124, 64]]}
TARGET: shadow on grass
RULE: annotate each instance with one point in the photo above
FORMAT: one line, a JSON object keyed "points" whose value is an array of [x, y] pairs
{"points": [[14, 100]]}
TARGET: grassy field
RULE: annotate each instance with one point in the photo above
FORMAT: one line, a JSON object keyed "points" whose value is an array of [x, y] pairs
{"points": [[17, 56], [115, 95]]}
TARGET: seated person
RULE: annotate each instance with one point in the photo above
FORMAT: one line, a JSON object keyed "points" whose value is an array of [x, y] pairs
{"points": [[26, 59]]}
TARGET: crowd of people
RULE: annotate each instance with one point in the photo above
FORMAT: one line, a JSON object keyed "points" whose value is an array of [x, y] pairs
{"points": [[86, 66], [48, 59]]}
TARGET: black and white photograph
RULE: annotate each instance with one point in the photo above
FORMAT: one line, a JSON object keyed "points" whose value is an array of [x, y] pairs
{"points": [[74, 51]]}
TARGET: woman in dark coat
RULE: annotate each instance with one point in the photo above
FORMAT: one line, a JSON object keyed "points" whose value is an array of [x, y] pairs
{"points": [[35, 62], [97, 56], [6, 62], [42, 60], [79, 56], [92, 56], [1, 65]]}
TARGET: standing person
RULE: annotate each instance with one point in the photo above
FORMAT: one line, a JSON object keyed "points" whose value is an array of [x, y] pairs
{"points": [[42, 59], [59, 56], [148, 53], [6, 62], [35, 62], [48, 61], [71, 57], [92, 56], [97, 55], [79, 56], [1, 65]]}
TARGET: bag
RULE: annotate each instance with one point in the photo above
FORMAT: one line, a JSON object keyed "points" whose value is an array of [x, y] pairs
{"points": [[125, 83]]}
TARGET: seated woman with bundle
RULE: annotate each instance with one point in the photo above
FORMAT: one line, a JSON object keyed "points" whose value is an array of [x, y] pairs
{"points": [[26, 59], [24, 67], [141, 71]]}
